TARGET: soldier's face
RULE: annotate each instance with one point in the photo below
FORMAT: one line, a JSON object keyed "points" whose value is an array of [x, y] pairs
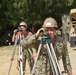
{"points": [[51, 31], [23, 28]]}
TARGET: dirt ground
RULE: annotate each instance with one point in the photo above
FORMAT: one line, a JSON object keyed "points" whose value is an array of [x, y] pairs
{"points": [[6, 54]]}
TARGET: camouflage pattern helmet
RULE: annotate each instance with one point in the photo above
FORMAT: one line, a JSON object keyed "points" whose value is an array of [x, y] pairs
{"points": [[50, 22], [23, 24]]}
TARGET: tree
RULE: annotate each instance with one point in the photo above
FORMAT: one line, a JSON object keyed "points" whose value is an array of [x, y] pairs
{"points": [[33, 12]]}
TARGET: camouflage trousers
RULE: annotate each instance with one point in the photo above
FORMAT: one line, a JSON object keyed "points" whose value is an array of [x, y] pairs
{"points": [[27, 56], [43, 66]]}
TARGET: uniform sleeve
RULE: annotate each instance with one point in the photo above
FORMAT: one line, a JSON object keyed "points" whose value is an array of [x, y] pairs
{"points": [[65, 58], [28, 41]]}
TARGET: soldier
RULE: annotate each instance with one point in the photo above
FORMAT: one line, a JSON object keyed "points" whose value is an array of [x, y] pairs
{"points": [[26, 54], [72, 36], [59, 44], [23, 26]]}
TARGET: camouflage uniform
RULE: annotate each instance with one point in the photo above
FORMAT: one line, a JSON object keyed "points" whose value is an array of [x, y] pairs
{"points": [[42, 66], [27, 56]]}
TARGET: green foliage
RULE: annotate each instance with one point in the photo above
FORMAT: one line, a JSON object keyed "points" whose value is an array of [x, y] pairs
{"points": [[33, 12]]}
